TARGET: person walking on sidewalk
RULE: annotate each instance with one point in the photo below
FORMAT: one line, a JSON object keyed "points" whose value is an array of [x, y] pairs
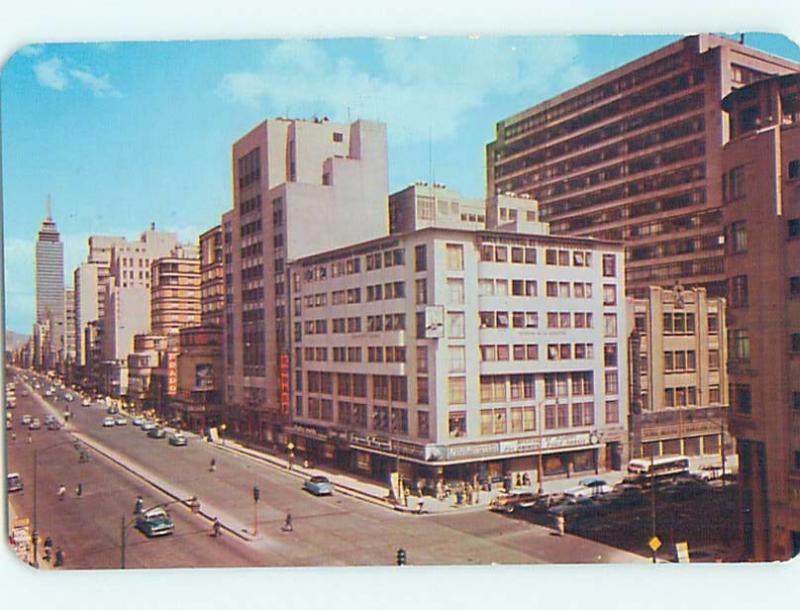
{"points": [[62, 490], [48, 548], [213, 466], [561, 522], [59, 558], [79, 490], [216, 529], [287, 525]]}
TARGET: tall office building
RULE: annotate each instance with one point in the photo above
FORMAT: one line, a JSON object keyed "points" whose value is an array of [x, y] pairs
{"points": [[174, 294], [761, 211], [634, 155], [69, 325], [50, 289], [212, 278], [299, 187]]}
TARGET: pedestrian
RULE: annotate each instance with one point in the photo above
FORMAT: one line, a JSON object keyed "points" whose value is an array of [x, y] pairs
{"points": [[13, 436], [216, 529], [287, 525], [59, 558], [139, 507], [79, 490], [62, 490], [48, 548], [561, 521], [213, 467], [30, 438]]}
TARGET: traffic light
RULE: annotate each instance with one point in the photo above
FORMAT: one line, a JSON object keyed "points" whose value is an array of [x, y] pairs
{"points": [[256, 493], [401, 557]]}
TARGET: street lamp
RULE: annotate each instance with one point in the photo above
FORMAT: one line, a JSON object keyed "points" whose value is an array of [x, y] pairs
{"points": [[74, 441]]}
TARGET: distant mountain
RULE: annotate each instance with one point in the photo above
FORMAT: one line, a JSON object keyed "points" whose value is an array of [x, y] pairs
{"points": [[15, 340]]}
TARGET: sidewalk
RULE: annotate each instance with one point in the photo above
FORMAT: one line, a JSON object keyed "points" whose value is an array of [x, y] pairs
{"points": [[376, 493]]}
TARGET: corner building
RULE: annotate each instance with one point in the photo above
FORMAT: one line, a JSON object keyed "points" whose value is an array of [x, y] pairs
{"points": [[761, 186], [635, 155], [299, 187], [457, 353]]}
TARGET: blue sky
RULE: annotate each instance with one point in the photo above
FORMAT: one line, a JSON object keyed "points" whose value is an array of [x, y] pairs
{"points": [[123, 134]]}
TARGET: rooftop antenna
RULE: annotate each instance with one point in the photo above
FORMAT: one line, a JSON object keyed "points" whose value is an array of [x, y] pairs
{"points": [[49, 207]]}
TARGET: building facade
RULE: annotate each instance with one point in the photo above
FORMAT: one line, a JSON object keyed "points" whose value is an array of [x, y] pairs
{"points": [[761, 190], [634, 155], [50, 292], [212, 278], [455, 354], [299, 187], [679, 385], [174, 294]]}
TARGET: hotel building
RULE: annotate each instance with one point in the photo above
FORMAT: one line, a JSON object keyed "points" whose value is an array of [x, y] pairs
{"points": [[299, 187], [635, 155], [455, 352], [212, 278], [761, 191], [175, 292]]}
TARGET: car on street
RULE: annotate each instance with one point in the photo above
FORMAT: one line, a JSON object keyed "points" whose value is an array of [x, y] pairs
{"points": [[35, 424], [121, 421], [14, 481], [53, 424], [155, 522], [86, 402], [708, 472], [177, 439], [596, 484], [156, 433], [137, 421], [509, 502], [582, 507], [147, 425], [69, 397], [319, 486], [108, 422], [48, 392], [26, 419]]}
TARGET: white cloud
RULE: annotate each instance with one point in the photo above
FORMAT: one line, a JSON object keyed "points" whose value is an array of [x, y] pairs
{"points": [[50, 73], [419, 85], [54, 74], [99, 85]]}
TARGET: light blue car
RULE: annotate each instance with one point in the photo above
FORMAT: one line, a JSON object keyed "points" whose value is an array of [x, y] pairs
{"points": [[319, 486]]}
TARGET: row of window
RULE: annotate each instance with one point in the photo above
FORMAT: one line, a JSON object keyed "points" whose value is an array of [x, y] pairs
{"points": [[567, 351]]}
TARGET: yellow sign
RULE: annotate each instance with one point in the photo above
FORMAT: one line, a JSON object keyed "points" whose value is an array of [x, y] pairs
{"points": [[654, 543], [682, 551], [290, 446]]}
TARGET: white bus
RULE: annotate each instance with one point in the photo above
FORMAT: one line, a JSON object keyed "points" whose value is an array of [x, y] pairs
{"points": [[662, 466]]}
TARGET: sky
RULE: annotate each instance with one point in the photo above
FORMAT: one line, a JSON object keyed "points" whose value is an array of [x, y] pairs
{"points": [[124, 134]]}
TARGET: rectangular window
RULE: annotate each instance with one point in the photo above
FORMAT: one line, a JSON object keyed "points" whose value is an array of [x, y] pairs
{"points": [[457, 358], [455, 324], [423, 424], [420, 259], [609, 265], [610, 320], [739, 291], [422, 291], [610, 354], [457, 424], [455, 257], [612, 384], [735, 183], [609, 294], [551, 256], [794, 169], [422, 390], [612, 412], [793, 225], [713, 394], [795, 342], [455, 291], [738, 233], [457, 390], [742, 398], [740, 344], [794, 286]]}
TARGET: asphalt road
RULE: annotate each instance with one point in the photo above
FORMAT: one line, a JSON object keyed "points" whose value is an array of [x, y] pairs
{"points": [[336, 530]]}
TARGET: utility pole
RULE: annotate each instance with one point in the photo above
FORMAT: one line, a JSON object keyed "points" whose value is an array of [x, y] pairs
{"points": [[722, 447], [35, 520], [540, 477], [653, 497], [123, 542], [256, 498]]}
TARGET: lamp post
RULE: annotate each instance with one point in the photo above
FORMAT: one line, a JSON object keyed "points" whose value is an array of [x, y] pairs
{"points": [[36, 453]]}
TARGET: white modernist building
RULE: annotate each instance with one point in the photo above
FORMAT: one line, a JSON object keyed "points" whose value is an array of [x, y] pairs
{"points": [[456, 353]]}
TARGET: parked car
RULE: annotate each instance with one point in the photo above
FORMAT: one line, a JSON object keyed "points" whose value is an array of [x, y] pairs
{"points": [[319, 486], [581, 507], [708, 472], [68, 397], [147, 425], [35, 424], [54, 424], [157, 433], [155, 522], [14, 482], [509, 502], [26, 419], [597, 485], [108, 422], [86, 402], [177, 439], [121, 421]]}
